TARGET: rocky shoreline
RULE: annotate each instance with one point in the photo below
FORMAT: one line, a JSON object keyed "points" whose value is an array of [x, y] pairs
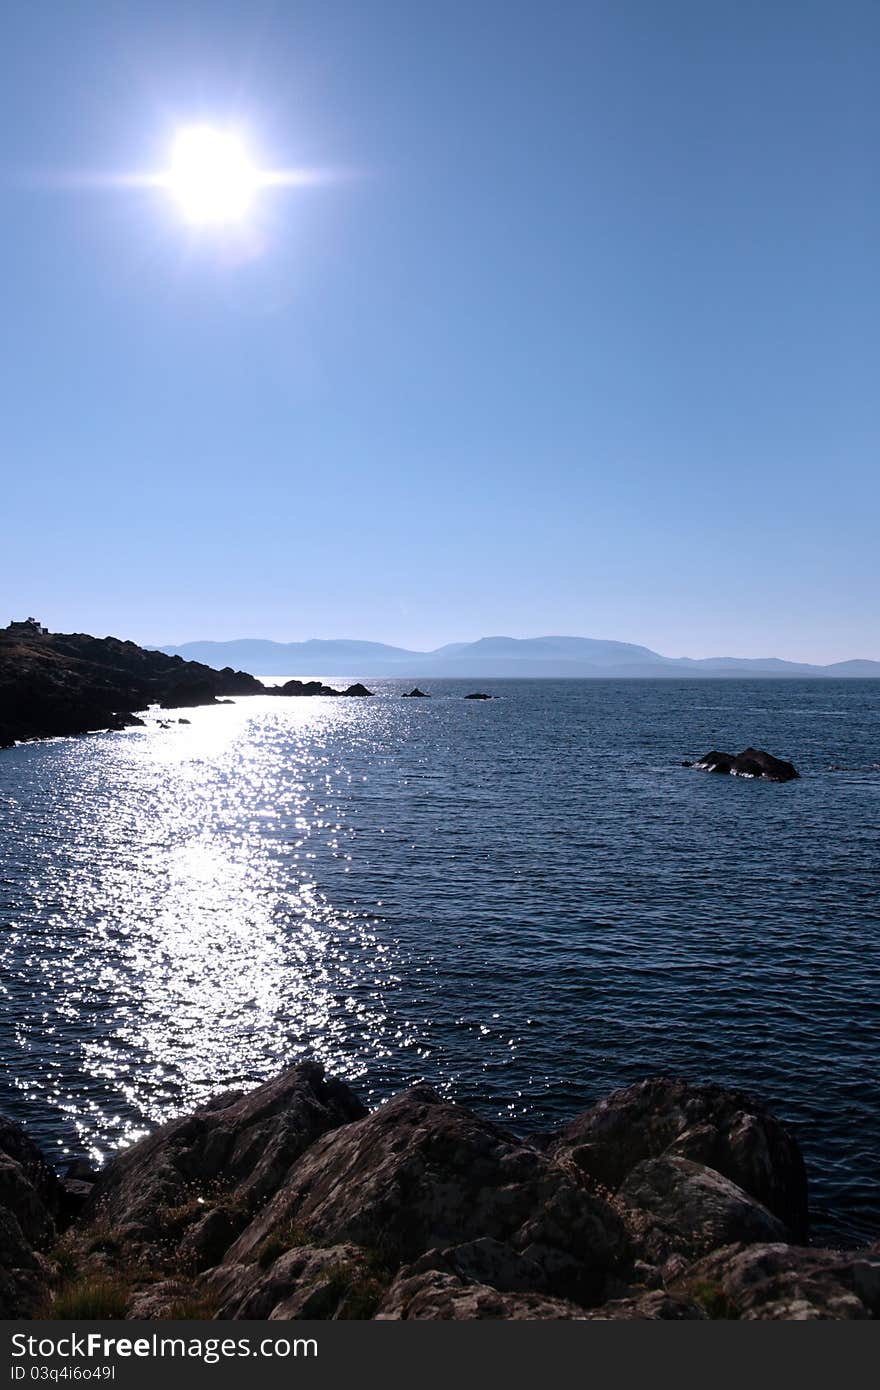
{"points": [[61, 684], [664, 1201]]}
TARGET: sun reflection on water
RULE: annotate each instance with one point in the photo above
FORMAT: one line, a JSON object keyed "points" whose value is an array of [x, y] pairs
{"points": [[180, 943]]}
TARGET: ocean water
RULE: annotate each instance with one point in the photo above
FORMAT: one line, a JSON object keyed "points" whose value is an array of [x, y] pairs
{"points": [[527, 901]]}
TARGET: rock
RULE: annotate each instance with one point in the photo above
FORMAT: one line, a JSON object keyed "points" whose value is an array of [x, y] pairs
{"points": [[166, 1299], [305, 1282], [23, 1281], [658, 1306], [357, 689], [785, 1282], [20, 1197], [184, 721], [232, 1154], [415, 694], [680, 1207], [420, 1173], [16, 1144], [203, 1245], [436, 1295], [485, 1261], [752, 762], [726, 1130], [479, 695]]}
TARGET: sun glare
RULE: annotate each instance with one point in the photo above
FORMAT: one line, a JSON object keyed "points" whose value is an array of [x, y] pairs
{"points": [[211, 176]]}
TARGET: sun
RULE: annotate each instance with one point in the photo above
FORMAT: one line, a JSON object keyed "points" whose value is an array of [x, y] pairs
{"points": [[211, 175]]}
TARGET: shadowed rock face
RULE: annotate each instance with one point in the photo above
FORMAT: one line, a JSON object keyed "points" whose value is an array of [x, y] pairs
{"points": [[664, 1202], [751, 762]]}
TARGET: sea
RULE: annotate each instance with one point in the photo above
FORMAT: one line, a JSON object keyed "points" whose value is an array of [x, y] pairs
{"points": [[527, 901]]}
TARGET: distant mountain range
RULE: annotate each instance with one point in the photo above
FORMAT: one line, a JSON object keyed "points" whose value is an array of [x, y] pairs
{"points": [[491, 656]]}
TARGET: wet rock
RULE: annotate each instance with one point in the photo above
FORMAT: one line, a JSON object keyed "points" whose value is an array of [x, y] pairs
{"points": [[357, 690], [785, 1282], [415, 694], [726, 1130], [681, 1207], [479, 695], [752, 762], [444, 1296], [420, 1173], [234, 1152], [308, 1281]]}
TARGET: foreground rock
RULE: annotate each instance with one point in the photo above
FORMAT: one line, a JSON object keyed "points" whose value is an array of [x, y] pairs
{"points": [[420, 1173], [782, 1282], [31, 1204], [212, 1169], [726, 1131], [666, 1201], [751, 762]]}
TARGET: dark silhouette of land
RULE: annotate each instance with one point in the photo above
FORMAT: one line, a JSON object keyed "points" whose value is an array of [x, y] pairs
{"points": [[56, 684]]}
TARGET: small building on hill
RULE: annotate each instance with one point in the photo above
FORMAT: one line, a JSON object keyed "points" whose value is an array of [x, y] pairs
{"points": [[30, 627]]}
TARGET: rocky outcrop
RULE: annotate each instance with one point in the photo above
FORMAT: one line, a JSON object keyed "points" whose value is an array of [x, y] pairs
{"points": [[666, 1201], [60, 684], [479, 695], [727, 1131], [415, 694], [751, 762]]}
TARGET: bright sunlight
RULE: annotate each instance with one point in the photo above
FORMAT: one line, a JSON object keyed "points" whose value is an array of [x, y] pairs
{"points": [[211, 175]]}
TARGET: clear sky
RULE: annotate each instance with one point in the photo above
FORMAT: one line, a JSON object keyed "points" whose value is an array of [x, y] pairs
{"points": [[581, 336]]}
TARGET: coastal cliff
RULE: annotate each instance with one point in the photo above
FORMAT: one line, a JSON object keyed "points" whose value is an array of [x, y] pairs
{"points": [[664, 1201], [56, 684]]}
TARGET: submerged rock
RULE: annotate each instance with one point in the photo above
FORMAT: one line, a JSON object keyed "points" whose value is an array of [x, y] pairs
{"points": [[479, 695], [751, 762]]}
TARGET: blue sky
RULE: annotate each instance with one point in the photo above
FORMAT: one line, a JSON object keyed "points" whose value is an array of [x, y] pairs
{"points": [[583, 337]]}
